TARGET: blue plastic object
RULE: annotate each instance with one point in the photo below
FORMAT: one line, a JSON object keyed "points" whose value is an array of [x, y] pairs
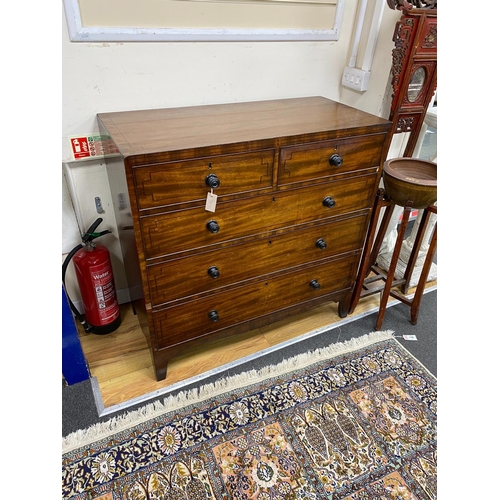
{"points": [[74, 364]]}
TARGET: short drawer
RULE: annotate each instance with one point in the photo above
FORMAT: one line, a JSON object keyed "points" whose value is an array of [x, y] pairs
{"points": [[321, 160], [198, 318], [210, 271], [177, 182], [195, 228]]}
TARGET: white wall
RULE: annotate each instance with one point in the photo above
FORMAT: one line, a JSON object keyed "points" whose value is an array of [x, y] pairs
{"points": [[105, 77]]}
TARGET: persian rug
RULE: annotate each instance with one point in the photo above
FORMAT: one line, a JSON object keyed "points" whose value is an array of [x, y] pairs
{"points": [[353, 421]]}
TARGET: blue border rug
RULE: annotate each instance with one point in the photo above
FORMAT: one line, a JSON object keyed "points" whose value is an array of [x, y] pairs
{"points": [[354, 421]]}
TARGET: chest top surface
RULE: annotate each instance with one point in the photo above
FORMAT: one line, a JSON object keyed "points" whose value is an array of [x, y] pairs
{"points": [[151, 131]]}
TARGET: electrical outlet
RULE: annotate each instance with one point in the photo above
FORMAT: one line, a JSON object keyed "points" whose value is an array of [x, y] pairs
{"points": [[356, 79]]}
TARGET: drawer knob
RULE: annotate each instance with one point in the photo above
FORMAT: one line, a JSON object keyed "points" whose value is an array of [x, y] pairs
{"points": [[212, 181], [212, 226], [329, 202], [335, 160], [213, 272], [214, 316], [321, 244], [314, 285]]}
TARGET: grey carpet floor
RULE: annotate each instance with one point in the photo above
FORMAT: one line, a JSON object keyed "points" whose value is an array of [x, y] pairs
{"points": [[79, 409]]}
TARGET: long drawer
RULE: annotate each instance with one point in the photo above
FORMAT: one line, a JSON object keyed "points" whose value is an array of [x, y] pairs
{"points": [[322, 160], [190, 229], [211, 313], [210, 271], [167, 184]]}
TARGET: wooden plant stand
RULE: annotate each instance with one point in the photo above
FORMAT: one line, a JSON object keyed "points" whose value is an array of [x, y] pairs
{"points": [[372, 279]]}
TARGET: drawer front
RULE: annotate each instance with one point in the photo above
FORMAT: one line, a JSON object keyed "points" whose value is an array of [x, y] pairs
{"points": [[195, 228], [209, 271], [317, 161], [177, 182], [212, 313]]}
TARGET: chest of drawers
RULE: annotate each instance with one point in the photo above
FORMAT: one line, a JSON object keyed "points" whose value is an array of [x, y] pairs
{"points": [[295, 181]]}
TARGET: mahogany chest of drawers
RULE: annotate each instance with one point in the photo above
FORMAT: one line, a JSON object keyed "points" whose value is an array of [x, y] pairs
{"points": [[294, 183]]}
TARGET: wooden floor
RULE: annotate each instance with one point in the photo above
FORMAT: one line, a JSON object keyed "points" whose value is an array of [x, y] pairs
{"points": [[121, 362]]}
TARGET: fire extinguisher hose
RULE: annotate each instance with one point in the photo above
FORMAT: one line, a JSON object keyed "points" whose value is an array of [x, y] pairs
{"points": [[86, 238], [66, 262]]}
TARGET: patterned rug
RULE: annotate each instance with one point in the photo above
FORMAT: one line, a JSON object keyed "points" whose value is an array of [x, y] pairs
{"points": [[355, 421]]}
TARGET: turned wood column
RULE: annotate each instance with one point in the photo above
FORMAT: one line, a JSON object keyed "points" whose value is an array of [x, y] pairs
{"points": [[408, 243], [384, 257]]}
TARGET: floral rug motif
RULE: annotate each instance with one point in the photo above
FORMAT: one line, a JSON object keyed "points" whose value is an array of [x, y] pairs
{"points": [[358, 426]]}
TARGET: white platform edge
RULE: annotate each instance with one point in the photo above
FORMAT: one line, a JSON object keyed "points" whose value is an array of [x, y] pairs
{"points": [[102, 411]]}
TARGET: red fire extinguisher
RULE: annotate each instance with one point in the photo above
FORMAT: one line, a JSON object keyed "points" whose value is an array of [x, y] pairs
{"points": [[96, 282]]}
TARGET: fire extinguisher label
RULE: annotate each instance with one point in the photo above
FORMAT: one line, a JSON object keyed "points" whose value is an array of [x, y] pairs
{"points": [[92, 146], [104, 289]]}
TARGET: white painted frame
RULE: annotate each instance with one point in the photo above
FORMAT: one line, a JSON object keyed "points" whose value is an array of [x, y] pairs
{"points": [[80, 33]]}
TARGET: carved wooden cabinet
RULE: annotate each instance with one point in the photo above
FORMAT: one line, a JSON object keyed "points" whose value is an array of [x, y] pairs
{"points": [[295, 181], [414, 68]]}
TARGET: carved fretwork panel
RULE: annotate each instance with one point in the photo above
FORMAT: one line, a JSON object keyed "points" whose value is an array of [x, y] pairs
{"points": [[406, 122], [410, 4], [414, 68], [428, 39], [403, 38]]}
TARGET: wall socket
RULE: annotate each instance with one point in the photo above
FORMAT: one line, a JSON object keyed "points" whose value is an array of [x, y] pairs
{"points": [[356, 79]]}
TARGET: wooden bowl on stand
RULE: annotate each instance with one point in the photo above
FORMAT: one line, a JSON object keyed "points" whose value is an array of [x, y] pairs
{"points": [[410, 179]]}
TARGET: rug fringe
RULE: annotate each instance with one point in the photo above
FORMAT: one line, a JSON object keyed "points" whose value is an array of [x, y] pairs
{"points": [[105, 429]]}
